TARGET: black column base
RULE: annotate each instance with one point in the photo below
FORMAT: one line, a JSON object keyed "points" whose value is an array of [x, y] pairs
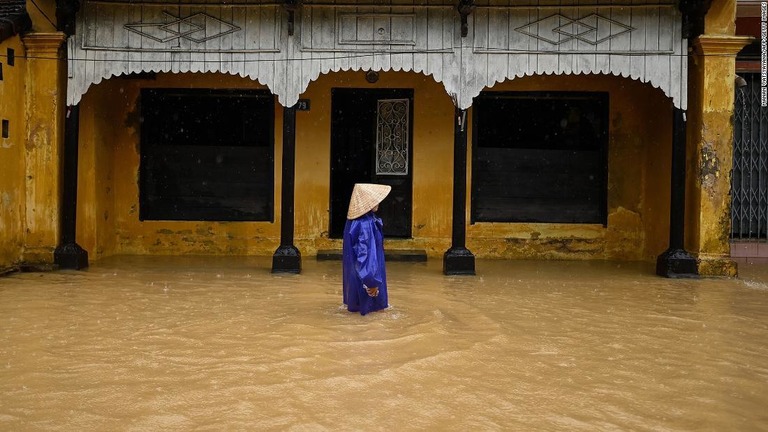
{"points": [[287, 259], [458, 261], [677, 263], [70, 256]]}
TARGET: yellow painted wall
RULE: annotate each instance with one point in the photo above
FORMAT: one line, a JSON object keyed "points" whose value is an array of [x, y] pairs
{"points": [[639, 159], [12, 100], [43, 15], [108, 205], [639, 166], [97, 153], [45, 111], [710, 137], [638, 197], [721, 18], [432, 162]]}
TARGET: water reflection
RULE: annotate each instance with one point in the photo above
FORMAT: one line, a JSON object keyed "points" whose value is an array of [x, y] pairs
{"points": [[138, 343]]}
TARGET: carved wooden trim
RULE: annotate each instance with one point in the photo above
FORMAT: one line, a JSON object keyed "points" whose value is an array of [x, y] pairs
{"points": [[640, 41], [567, 28], [182, 28]]}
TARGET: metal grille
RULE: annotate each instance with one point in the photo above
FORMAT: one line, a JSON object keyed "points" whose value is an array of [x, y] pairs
{"points": [[749, 187], [392, 137]]}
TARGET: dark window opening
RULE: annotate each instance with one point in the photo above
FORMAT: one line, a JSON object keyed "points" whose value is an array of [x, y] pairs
{"points": [[11, 56], [540, 157], [206, 155], [1, 71], [6, 128]]}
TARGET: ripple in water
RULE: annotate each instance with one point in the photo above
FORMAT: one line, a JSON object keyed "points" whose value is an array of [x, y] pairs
{"points": [[150, 343]]}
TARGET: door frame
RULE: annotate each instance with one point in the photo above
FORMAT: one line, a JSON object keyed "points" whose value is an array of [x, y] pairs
{"points": [[373, 94]]}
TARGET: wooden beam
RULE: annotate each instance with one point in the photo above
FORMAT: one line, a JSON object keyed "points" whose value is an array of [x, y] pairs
{"points": [[694, 12], [66, 12], [676, 262], [287, 258], [465, 8], [68, 254], [291, 6], [458, 260]]}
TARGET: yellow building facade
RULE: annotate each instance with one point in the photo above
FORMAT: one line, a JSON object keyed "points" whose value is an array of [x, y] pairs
{"points": [[637, 221], [12, 154], [109, 221]]}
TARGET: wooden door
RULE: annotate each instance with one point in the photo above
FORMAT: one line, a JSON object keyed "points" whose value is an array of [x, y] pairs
{"points": [[371, 142]]}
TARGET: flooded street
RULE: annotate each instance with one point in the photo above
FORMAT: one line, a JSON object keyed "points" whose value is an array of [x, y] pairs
{"points": [[171, 343]]}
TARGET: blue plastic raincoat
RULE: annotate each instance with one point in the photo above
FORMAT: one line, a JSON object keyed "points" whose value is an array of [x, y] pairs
{"points": [[363, 264]]}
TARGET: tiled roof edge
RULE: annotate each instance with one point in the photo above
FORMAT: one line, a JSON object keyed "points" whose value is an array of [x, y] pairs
{"points": [[15, 23]]}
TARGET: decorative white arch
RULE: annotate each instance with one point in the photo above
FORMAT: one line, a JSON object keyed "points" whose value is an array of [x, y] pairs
{"points": [[504, 41]]}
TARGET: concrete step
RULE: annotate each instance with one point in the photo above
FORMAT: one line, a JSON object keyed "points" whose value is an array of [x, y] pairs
{"points": [[407, 255]]}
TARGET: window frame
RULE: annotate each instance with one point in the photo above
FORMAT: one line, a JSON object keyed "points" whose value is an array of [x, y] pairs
{"points": [[602, 100], [151, 212]]}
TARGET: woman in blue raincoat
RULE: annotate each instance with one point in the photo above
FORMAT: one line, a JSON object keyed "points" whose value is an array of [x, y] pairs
{"points": [[365, 278]]}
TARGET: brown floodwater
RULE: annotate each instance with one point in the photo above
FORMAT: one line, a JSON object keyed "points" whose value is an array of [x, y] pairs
{"points": [[178, 344]]}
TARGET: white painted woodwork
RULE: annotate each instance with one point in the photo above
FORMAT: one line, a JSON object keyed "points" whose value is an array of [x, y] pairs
{"points": [[507, 39]]}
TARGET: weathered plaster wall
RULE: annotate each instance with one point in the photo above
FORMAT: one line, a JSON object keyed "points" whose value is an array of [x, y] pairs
{"points": [[640, 119], [432, 162], [638, 183], [710, 137], [108, 209], [44, 115], [97, 153], [12, 99]]}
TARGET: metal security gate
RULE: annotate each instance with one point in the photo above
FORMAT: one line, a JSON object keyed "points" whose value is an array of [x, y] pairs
{"points": [[749, 187]]}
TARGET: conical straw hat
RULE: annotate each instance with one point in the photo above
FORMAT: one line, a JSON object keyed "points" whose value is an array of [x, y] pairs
{"points": [[366, 196]]}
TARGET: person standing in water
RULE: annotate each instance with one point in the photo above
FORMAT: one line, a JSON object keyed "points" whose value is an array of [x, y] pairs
{"points": [[365, 278]]}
